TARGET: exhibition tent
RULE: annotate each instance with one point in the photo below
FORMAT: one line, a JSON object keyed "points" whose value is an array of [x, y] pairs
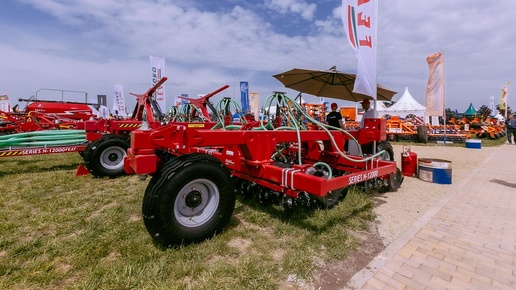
{"points": [[471, 111], [405, 106]]}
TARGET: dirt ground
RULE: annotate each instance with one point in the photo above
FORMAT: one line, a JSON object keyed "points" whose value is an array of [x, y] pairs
{"points": [[398, 211]]}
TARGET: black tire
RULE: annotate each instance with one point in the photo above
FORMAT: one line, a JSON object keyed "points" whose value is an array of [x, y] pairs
{"points": [[83, 153], [189, 200], [422, 134], [394, 181], [331, 199], [105, 157], [389, 152]]}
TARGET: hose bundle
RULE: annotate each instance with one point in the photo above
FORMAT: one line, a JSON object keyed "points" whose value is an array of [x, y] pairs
{"points": [[43, 138]]}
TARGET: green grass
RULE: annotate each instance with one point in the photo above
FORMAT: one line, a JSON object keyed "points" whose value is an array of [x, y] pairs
{"points": [[65, 232]]}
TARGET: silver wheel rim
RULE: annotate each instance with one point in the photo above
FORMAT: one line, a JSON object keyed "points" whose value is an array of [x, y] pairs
{"points": [[112, 158], [196, 202]]}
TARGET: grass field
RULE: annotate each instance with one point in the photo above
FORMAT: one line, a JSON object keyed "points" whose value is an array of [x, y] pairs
{"points": [[60, 231]]}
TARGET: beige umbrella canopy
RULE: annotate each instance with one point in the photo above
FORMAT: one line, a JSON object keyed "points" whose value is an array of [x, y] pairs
{"points": [[328, 83]]}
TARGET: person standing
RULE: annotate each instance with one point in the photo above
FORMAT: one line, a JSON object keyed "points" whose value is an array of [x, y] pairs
{"points": [[334, 118], [511, 128], [368, 112]]}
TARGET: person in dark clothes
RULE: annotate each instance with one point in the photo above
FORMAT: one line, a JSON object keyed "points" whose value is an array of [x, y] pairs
{"points": [[334, 119], [511, 128]]}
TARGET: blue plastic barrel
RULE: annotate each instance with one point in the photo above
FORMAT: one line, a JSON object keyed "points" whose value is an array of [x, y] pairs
{"points": [[435, 170]]}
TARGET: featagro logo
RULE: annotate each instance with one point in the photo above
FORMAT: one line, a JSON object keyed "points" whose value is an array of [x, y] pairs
{"points": [[352, 28], [358, 18]]}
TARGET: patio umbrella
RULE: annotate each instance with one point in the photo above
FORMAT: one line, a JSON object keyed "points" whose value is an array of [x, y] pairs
{"points": [[328, 83]]}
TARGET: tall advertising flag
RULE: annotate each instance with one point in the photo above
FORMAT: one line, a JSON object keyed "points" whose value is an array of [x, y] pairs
{"points": [[184, 101], [244, 96], [118, 101], [4, 103], [360, 26], [492, 104], [503, 100], [254, 104], [157, 71], [435, 87]]}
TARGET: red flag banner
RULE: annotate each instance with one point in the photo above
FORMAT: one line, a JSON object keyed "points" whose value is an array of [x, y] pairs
{"points": [[435, 87], [360, 26]]}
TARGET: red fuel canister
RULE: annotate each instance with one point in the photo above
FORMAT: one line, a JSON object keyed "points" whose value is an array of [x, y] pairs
{"points": [[408, 162]]}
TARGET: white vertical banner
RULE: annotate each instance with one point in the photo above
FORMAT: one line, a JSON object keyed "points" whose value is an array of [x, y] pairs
{"points": [[360, 19], [4, 103], [503, 100], [158, 70], [118, 101], [435, 87], [254, 104], [492, 105]]}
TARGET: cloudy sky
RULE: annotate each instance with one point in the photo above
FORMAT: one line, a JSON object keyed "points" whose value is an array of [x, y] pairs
{"points": [[91, 45]]}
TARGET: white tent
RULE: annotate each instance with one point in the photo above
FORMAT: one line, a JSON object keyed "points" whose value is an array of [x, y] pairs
{"points": [[405, 106]]}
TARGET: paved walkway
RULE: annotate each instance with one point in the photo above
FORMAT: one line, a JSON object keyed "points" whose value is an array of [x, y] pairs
{"points": [[467, 241]]}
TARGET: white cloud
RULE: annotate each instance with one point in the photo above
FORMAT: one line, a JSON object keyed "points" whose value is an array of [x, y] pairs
{"points": [[90, 45], [293, 6]]}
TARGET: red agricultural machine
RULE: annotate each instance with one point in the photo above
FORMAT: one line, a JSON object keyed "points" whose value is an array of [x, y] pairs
{"points": [[197, 168], [109, 138], [44, 127]]}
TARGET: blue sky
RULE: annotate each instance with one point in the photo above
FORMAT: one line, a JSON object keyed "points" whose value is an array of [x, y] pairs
{"points": [[91, 45]]}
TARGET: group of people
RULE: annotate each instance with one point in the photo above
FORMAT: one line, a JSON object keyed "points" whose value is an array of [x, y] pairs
{"points": [[335, 119]]}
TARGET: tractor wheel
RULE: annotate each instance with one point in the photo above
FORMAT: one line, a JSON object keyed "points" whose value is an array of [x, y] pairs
{"points": [[189, 200], [83, 153], [331, 198], [389, 152], [394, 181], [422, 134], [105, 157]]}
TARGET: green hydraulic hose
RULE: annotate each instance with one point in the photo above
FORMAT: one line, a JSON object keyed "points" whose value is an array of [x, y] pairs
{"points": [[44, 138]]}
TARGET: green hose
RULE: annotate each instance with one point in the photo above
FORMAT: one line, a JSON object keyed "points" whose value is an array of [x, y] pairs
{"points": [[43, 138]]}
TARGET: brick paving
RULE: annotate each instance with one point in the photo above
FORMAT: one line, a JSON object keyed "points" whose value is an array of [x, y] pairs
{"points": [[467, 241]]}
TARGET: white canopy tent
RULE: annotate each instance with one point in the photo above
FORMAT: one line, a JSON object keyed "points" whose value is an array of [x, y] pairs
{"points": [[405, 106]]}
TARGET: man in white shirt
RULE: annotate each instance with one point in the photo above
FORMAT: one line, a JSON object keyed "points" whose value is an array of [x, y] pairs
{"points": [[368, 112]]}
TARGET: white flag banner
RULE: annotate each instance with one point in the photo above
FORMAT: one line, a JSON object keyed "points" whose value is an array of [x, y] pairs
{"points": [[503, 101], [118, 101], [360, 26], [435, 87], [254, 104], [4, 103], [158, 70]]}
